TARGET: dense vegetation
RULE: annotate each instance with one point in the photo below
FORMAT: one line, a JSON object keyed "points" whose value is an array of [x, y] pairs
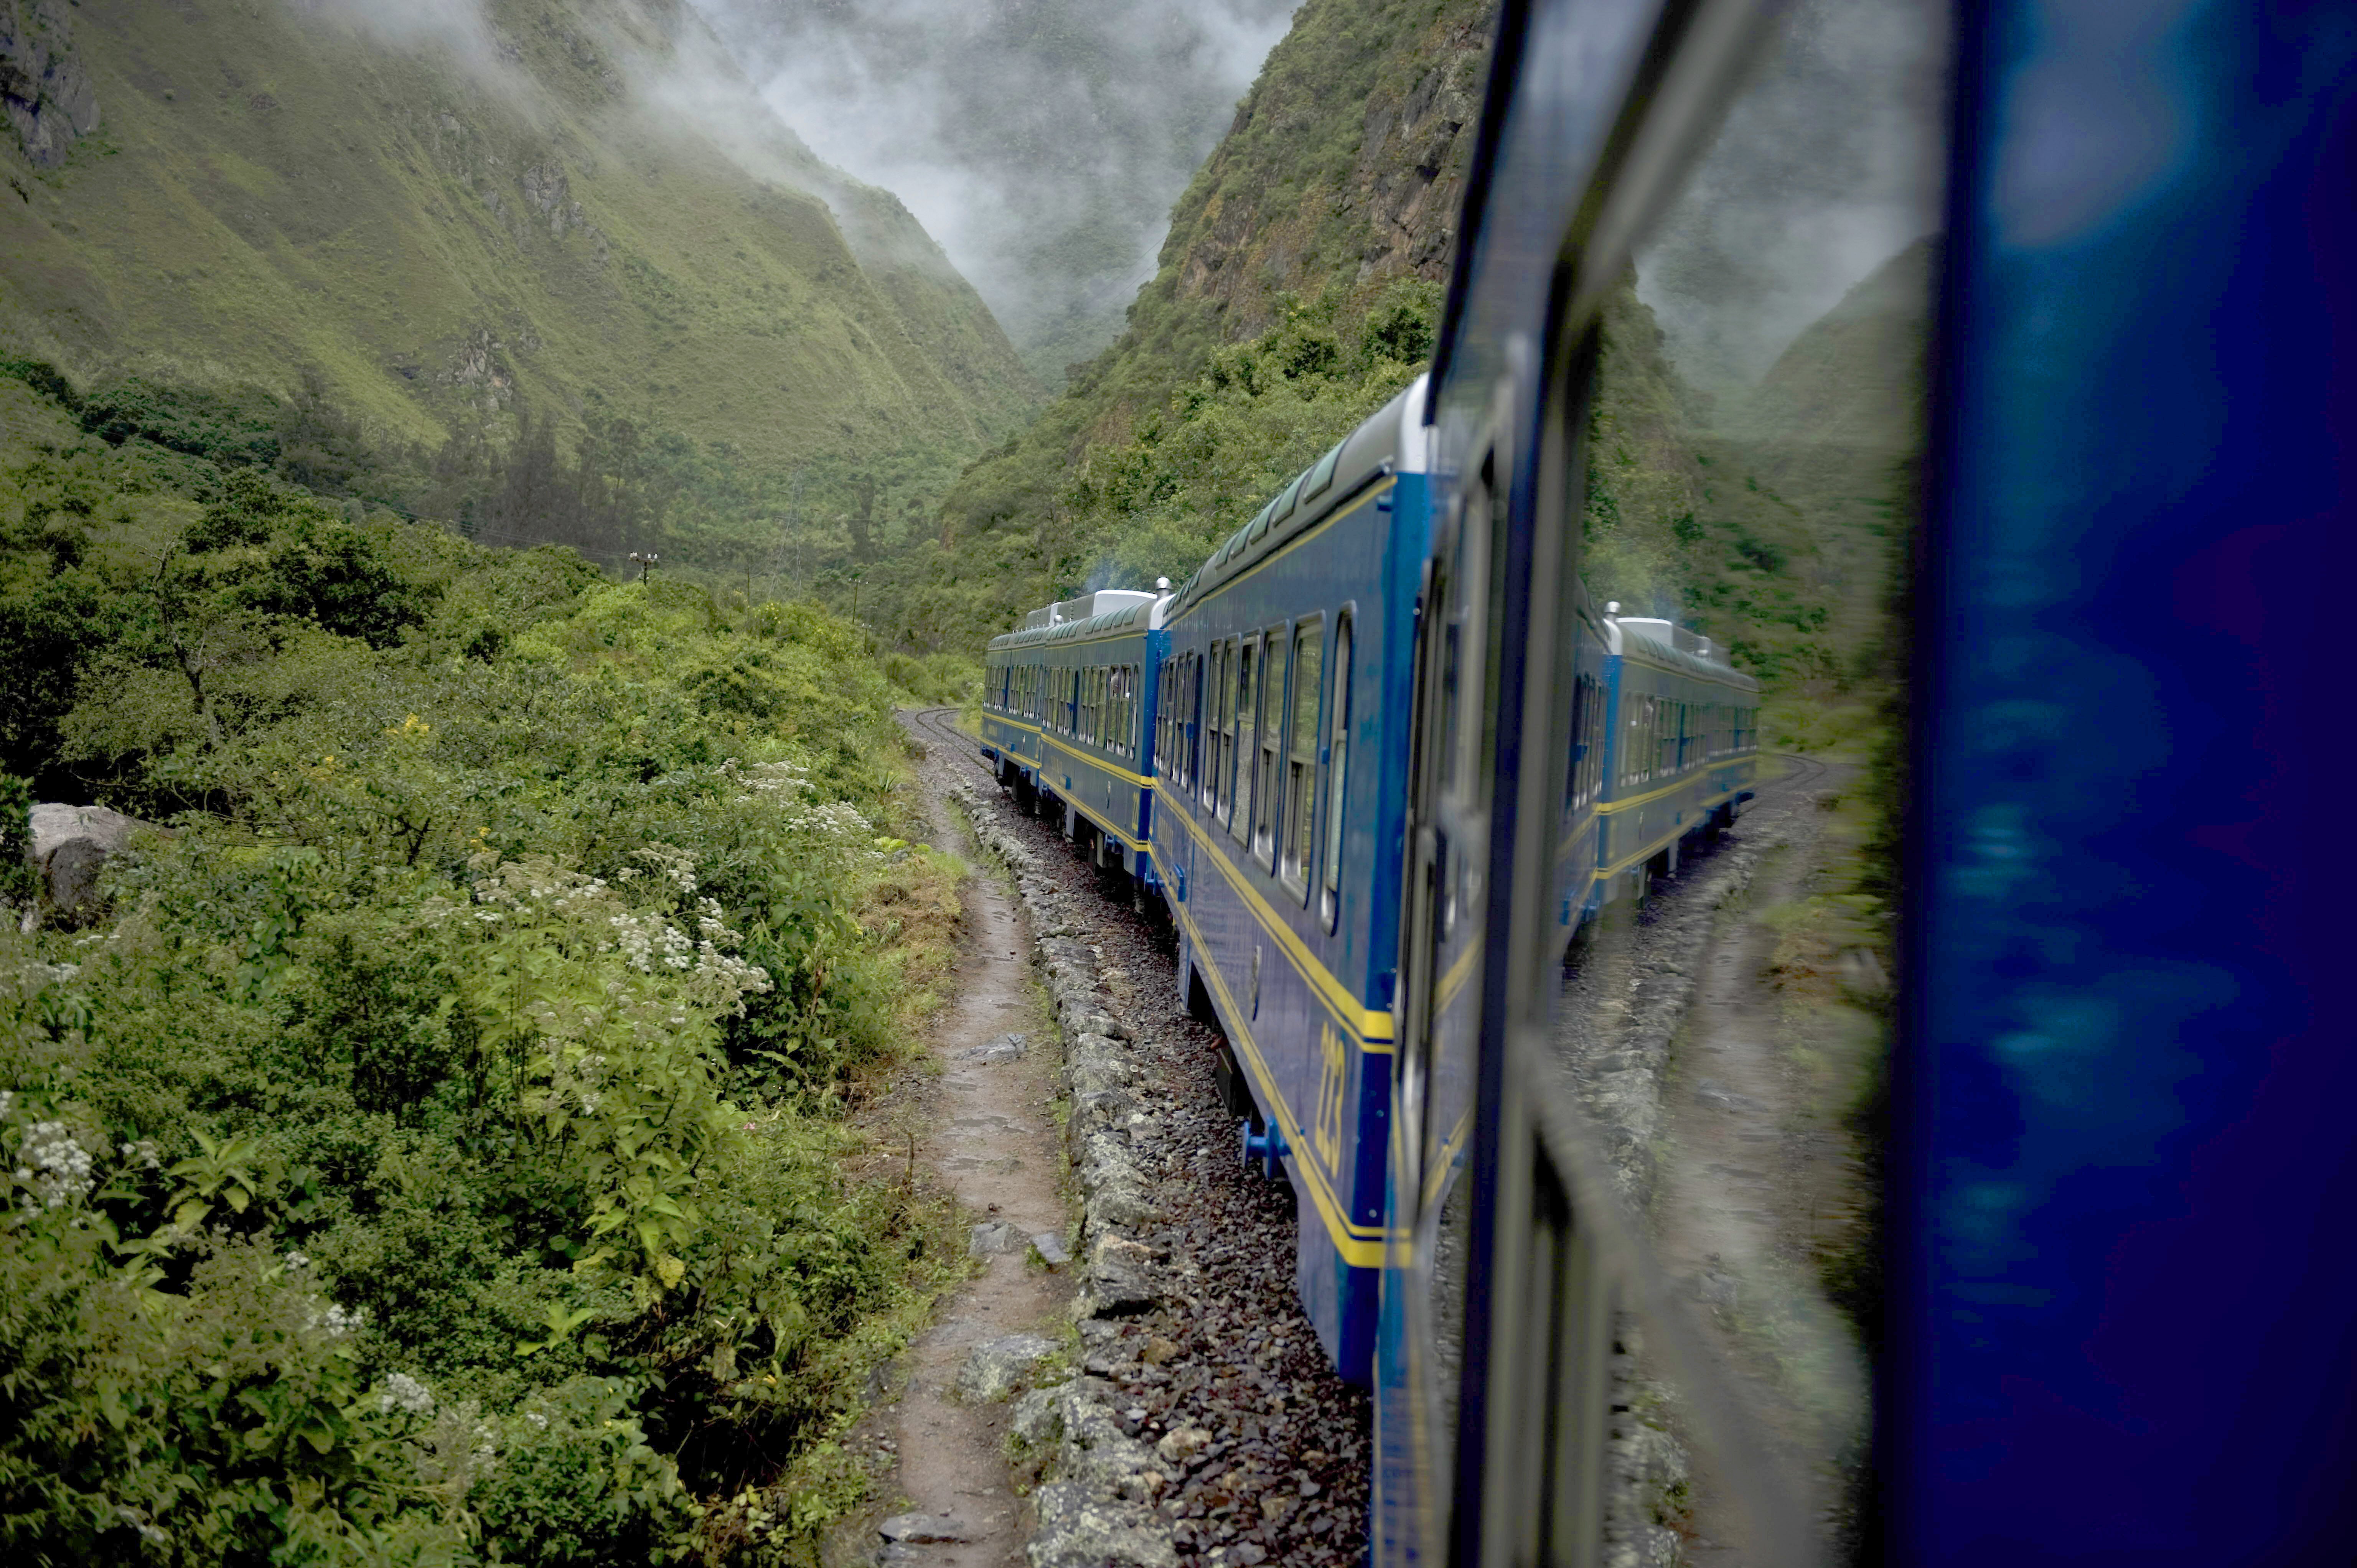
{"points": [[434, 1150]]}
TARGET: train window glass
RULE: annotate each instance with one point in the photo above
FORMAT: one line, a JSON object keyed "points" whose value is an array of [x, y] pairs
{"points": [[1575, 773], [1772, 329], [1214, 677], [1272, 736], [1337, 764], [1247, 713], [1190, 715], [1222, 777], [1301, 754]]}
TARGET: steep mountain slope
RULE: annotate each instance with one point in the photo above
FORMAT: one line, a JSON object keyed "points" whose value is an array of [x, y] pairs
{"points": [[1296, 290], [451, 212], [1042, 141]]}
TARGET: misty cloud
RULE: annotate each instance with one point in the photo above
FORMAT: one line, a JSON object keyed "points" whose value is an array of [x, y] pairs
{"points": [[459, 28], [1828, 166], [1041, 142]]}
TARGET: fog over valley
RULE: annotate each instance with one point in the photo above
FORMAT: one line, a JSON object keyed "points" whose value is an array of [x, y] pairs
{"points": [[1041, 142]]}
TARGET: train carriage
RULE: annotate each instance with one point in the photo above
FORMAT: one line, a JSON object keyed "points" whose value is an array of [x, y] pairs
{"points": [[1277, 833], [1683, 748], [1069, 718]]}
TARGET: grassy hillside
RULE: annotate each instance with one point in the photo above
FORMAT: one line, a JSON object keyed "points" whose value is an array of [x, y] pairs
{"points": [[432, 1149], [575, 204], [1299, 282]]}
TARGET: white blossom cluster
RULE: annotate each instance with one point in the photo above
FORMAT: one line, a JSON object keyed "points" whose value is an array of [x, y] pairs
{"points": [[765, 779], [787, 786], [335, 1319], [144, 1152], [676, 865], [58, 1168], [403, 1392]]}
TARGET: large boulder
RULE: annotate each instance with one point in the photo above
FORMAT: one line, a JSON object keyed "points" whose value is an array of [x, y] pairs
{"points": [[70, 845]]}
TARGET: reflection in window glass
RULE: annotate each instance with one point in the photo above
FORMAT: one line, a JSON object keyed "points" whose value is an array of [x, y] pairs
{"points": [[1301, 756], [1751, 434], [1337, 764], [1244, 706]]}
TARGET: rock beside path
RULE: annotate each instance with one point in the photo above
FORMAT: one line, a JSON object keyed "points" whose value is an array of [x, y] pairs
{"points": [[995, 1367], [923, 1530], [70, 845]]}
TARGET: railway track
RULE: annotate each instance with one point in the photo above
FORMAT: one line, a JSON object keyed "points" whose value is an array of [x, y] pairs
{"points": [[1798, 771], [939, 725]]}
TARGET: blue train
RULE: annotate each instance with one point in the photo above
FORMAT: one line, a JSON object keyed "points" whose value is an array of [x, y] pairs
{"points": [[1384, 761]]}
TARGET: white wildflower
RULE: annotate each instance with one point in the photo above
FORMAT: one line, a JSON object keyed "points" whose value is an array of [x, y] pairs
{"points": [[537, 1421], [8, 1102], [405, 1392], [340, 1321], [61, 1167]]}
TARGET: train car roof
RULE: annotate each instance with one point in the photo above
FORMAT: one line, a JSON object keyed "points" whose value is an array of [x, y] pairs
{"points": [[1392, 440], [1630, 643], [1130, 620]]}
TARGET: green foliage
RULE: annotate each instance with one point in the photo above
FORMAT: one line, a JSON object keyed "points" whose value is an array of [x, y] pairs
{"points": [[1157, 503], [471, 1055], [234, 428], [20, 878]]}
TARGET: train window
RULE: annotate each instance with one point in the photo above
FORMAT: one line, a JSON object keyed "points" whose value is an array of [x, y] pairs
{"points": [[1576, 776], [1337, 763], [1215, 685], [1195, 714], [1272, 736], [1249, 663], [1301, 753]]}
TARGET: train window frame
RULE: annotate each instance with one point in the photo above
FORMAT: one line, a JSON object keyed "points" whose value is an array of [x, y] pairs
{"points": [[1334, 766], [1297, 841], [1195, 714], [1252, 678], [1268, 758], [1217, 720]]}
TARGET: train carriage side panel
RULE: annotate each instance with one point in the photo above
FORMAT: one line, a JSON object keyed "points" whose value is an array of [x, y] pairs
{"points": [[1285, 907]]}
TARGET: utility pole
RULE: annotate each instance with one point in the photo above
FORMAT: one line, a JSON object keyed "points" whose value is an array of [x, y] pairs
{"points": [[645, 563]]}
